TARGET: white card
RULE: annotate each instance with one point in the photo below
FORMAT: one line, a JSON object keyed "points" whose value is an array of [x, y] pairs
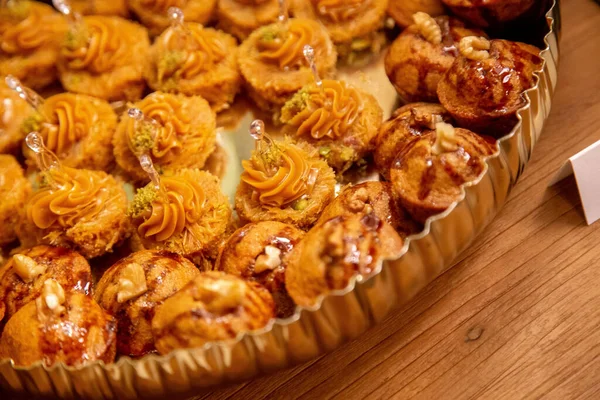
{"points": [[585, 165]]}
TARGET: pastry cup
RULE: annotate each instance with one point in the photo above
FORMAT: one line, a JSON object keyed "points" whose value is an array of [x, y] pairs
{"points": [[14, 190], [153, 13], [402, 11], [13, 111], [101, 7]]}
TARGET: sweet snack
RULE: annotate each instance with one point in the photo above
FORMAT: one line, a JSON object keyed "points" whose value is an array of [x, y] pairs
{"points": [[75, 208], [101, 7], [402, 11], [489, 13], [14, 190], [422, 53], [30, 37], [13, 111], [283, 182], [332, 253], [177, 132], [405, 123], [153, 13], [429, 170], [183, 212], [59, 326], [271, 60], [22, 277], [104, 57], [484, 87], [257, 252], [215, 306], [190, 59], [134, 287]]}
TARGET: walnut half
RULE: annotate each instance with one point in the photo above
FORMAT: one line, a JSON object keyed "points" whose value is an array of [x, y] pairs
{"points": [[132, 283], [268, 261], [51, 300], [27, 268], [445, 139]]}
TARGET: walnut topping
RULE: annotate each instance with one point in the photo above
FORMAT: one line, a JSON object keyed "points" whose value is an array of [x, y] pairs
{"points": [[51, 299], [271, 259], [358, 200], [445, 139], [229, 294], [335, 241], [27, 268], [425, 119], [428, 28], [474, 48], [132, 283]]}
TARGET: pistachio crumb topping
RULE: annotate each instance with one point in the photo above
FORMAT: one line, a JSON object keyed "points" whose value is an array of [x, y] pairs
{"points": [[32, 123], [296, 104], [347, 153], [142, 200], [324, 151], [300, 204], [143, 139]]}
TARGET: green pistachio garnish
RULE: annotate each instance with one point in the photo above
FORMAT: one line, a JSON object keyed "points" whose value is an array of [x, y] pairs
{"points": [[347, 154], [142, 200], [76, 38], [293, 106], [32, 123], [143, 139], [269, 35], [300, 204], [324, 151]]}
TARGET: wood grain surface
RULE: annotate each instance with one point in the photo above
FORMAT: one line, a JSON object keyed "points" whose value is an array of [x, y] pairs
{"points": [[519, 315]]}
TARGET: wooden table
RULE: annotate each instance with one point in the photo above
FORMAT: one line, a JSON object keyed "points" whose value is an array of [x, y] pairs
{"points": [[519, 315]]}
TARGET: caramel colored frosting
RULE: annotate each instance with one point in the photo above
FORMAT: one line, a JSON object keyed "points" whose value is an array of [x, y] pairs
{"points": [[284, 46], [189, 53], [103, 50], [280, 175], [330, 112], [29, 33], [178, 204], [70, 196], [341, 10]]}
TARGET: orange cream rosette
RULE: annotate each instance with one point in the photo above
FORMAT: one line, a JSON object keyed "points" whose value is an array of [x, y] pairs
{"points": [[194, 60], [185, 134], [340, 120], [285, 183], [153, 13], [188, 215], [272, 62], [79, 209], [30, 36], [77, 128], [14, 190], [13, 111], [104, 57]]}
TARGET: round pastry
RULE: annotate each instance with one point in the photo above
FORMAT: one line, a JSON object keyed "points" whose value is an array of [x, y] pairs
{"points": [[284, 182], [332, 253], [22, 277], [131, 290], [215, 306], [402, 11], [257, 252], [429, 170], [484, 87], [59, 326], [338, 119], [422, 53], [182, 134], [407, 122], [489, 13], [30, 36], [14, 190], [154, 13], [13, 111], [101, 7], [75, 208], [272, 62], [104, 57], [194, 60], [77, 128], [371, 198], [187, 215]]}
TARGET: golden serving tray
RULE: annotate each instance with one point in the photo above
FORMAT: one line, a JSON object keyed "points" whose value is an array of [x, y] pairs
{"points": [[338, 317]]}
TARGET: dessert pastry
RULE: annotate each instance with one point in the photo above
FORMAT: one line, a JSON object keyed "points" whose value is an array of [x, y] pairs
{"points": [[215, 306], [184, 212], [153, 13], [484, 87], [257, 252], [402, 11], [77, 128], [22, 277], [283, 182], [177, 132], [331, 254], [429, 170], [30, 36], [131, 290], [14, 190], [272, 62], [101, 7], [422, 53], [13, 111], [407, 122], [371, 198], [104, 57], [489, 13], [194, 60], [75, 208], [336, 118], [59, 326]]}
